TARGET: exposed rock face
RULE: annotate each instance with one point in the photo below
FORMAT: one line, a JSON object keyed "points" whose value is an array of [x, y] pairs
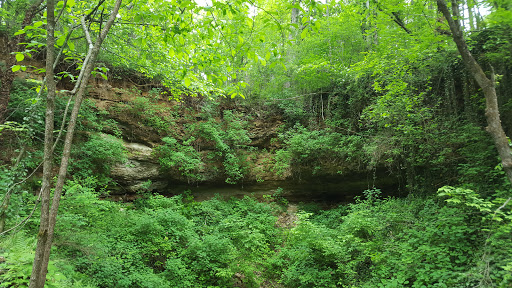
{"points": [[262, 131], [137, 121], [134, 175]]}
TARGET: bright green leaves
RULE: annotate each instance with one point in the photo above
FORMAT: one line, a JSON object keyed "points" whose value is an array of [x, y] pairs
{"points": [[304, 33], [71, 46], [69, 5], [267, 56], [183, 157], [182, 42], [38, 24], [102, 71], [468, 197], [61, 40], [16, 68], [20, 57], [492, 210], [187, 81], [36, 30]]}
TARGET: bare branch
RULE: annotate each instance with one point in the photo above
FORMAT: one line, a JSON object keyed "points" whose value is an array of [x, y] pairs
{"points": [[22, 222], [398, 20], [57, 58], [88, 17], [86, 32], [61, 11], [501, 207]]}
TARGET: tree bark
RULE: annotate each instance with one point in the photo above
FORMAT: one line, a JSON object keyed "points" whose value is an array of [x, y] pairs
{"points": [[295, 20], [492, 112], [294, 36], [49, 216], [42, 236], [470, 14]]}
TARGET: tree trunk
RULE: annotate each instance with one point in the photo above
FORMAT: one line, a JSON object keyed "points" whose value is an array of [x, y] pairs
{"points": [[293, 37], [492, 112], [295, 20], [42, 237], [470, 14], [49, 217]]}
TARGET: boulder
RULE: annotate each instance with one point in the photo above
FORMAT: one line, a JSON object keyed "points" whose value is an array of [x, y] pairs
{"points": [[141, 172]]}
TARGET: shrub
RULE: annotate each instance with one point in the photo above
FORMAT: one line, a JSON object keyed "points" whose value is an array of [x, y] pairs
{"points": [[183, 157], [95, 157]]}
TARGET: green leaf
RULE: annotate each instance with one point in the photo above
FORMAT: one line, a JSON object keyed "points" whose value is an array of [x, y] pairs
{"points": [[16, 68], [61, 41], [38, 24], [187, 81], [304, 34], [20, 57], [19, 32]]}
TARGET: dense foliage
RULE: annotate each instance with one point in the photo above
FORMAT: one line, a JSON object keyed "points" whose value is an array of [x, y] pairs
{"points": [[177, 242], [330, 90]]}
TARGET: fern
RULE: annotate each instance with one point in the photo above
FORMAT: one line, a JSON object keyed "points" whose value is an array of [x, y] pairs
{"points": [[18, 251]]}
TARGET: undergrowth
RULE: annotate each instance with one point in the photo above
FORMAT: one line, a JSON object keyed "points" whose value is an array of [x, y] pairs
{"points": [[455, 239]]}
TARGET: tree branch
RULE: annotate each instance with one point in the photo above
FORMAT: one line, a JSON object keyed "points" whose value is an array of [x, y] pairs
{"points": [[400, 22], [62, 10]]}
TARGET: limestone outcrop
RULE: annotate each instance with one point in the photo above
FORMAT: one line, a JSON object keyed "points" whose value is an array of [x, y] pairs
{"points": [[141, 172]]}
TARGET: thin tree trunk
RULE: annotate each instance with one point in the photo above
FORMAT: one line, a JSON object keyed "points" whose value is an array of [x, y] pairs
{"points": [[478, 18], [42, 236], [296, 21], [492, 112], [42, 257], [470, 14], [294, 36]]}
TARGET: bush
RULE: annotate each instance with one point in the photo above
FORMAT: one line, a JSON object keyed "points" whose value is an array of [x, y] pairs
{"points": [[160, 242], [380, 243], [226, 143], [183, 157], [95, 157]]}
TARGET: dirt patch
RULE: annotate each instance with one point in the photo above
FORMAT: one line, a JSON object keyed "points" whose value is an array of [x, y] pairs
{"points": [[289, 218]]}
